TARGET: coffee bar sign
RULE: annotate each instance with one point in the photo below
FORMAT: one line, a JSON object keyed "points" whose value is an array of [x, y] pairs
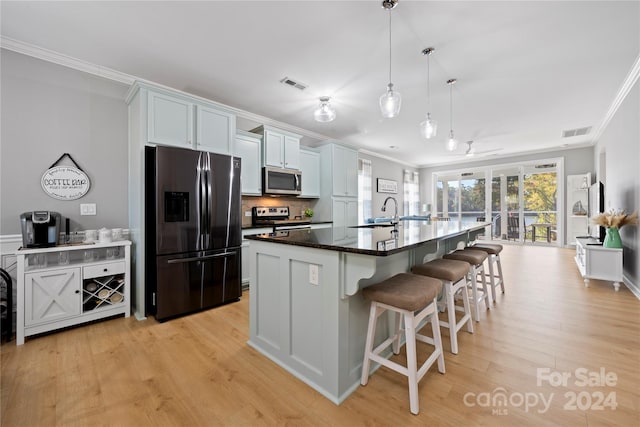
{"points": [[65, 182]]}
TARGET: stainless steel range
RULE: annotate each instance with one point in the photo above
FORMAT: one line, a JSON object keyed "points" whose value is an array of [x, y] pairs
{"points": [[276, 217]]}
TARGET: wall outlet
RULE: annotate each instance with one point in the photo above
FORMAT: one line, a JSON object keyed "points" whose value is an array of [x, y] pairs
{"points": [[313, 274], [87, 209], [247, 213]]}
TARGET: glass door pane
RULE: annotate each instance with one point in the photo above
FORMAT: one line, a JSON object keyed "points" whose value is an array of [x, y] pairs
{"points": [[472, 197], [447, 198], [505, 204], [540, 206]]}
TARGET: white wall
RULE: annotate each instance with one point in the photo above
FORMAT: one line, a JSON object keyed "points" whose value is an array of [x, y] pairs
{"points": [[386, 169], [48, 110], [617, 161]]}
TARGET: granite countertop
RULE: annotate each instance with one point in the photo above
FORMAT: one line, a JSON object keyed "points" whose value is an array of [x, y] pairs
{"points": [[410, 234]]}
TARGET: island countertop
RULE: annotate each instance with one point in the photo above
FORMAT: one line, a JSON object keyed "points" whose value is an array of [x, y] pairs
{"points": [[377, 240]]}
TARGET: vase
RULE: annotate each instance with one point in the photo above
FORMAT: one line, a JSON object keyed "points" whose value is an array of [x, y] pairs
{"points": [[612, 238]]}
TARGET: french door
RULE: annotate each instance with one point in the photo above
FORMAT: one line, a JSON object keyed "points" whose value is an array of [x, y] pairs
{"points": [[520, 200]]}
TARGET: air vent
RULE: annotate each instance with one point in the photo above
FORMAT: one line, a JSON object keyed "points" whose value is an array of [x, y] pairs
{"points": [[546, 166], [576, 132], [290, 82], [467, 174]]}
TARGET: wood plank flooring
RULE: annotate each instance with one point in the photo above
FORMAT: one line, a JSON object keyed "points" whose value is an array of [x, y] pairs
{"points": [[199, 371]]}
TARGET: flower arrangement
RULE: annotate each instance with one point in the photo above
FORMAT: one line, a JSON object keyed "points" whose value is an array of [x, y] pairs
{"points": [[615, 219]]}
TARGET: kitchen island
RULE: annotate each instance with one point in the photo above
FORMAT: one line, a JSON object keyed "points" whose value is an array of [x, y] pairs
{"points": [[306, 311]]}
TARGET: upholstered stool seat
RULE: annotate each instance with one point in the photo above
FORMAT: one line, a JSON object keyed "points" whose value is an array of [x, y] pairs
{"points": [[475, 259], [493, 251], [414, 298], [454, 277]]}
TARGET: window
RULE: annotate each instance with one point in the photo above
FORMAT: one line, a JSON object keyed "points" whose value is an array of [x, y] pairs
{"points": [[411, 193], [364, 190]]}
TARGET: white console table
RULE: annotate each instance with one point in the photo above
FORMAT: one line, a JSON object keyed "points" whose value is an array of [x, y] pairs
{"points": [[597, 262], [71, 284]]}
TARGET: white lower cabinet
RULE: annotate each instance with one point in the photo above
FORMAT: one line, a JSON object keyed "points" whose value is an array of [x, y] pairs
{"points": [[69, 285], [51, 295], [345, 215], [597, 262]]}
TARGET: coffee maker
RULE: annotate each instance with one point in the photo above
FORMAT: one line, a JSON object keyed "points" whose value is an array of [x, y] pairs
{"points": [[40, 229]]}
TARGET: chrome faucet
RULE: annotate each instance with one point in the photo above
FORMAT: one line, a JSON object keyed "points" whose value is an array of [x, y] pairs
{"points": [[394, 218]]}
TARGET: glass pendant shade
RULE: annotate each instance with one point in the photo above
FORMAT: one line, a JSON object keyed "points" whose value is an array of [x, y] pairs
{"points": [[452, 143], [390, 102], [325, 111], [429, 127]]}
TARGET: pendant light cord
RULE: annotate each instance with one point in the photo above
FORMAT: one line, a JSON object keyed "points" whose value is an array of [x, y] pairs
{"points": [[451, 106], [389, 46], [428, 88]]}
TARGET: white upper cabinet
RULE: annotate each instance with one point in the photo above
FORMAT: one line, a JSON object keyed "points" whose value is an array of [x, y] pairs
{"points": [[280, 149], [345, 171], [339, 171], [247, 147], [310, 168], [179, 120], [170, 120], [215, 130]]}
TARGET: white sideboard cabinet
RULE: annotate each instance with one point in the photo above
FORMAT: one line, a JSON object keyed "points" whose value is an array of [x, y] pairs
{"points": [[68, 285], [597, 262]]}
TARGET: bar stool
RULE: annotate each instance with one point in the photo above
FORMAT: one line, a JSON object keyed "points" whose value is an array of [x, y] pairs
{"points": [[404, 294], [493, 252], [475, 259], [454, 278]]}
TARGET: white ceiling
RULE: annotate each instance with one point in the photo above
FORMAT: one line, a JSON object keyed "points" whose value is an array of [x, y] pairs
{"points": [[526, 70]]}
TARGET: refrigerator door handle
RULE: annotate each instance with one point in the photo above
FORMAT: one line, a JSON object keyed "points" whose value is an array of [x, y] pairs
{"points": [[203, 223], [200, 258], [209, 201], [199, 200]]}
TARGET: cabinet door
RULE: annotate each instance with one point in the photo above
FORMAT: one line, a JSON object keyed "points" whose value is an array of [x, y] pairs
{"points": [[291, 152], [351, 169], [273, 149], [215, 130], [345, 172], [248, 149], [310, 168], [345, 214], [51, 296], [170, 121]]}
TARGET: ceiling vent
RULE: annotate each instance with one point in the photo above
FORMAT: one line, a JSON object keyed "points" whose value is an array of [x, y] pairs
{"points": [[576, 132], [290, 82]]}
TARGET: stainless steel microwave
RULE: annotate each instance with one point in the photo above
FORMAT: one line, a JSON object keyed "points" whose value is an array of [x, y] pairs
{"points": [[281, 181]]}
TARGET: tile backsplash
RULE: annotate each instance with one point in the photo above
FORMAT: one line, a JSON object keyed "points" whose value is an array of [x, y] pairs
{"points": [[296, 205]]}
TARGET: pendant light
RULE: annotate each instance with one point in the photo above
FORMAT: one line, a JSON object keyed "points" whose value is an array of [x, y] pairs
{"points": [[452, 143], [429, 127], [325, 111], [390, 100]]}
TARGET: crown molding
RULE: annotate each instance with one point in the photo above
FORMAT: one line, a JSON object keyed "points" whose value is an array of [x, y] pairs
{"points": [[624, 90], [108, 73], [64, 60], [391, 159]]}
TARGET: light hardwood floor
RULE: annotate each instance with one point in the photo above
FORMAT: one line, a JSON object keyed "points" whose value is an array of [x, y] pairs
{"points": [[199, 371]]}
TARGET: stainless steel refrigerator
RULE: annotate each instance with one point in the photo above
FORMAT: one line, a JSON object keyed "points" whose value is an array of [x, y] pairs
{"points": [[192, 232]]}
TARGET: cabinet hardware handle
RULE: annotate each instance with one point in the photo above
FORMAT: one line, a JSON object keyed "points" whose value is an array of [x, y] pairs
{"points": [[106, 269], [77, 291]]}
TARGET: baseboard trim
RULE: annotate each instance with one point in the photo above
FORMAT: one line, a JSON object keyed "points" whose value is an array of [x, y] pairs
{"points": [[635, 290]]}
